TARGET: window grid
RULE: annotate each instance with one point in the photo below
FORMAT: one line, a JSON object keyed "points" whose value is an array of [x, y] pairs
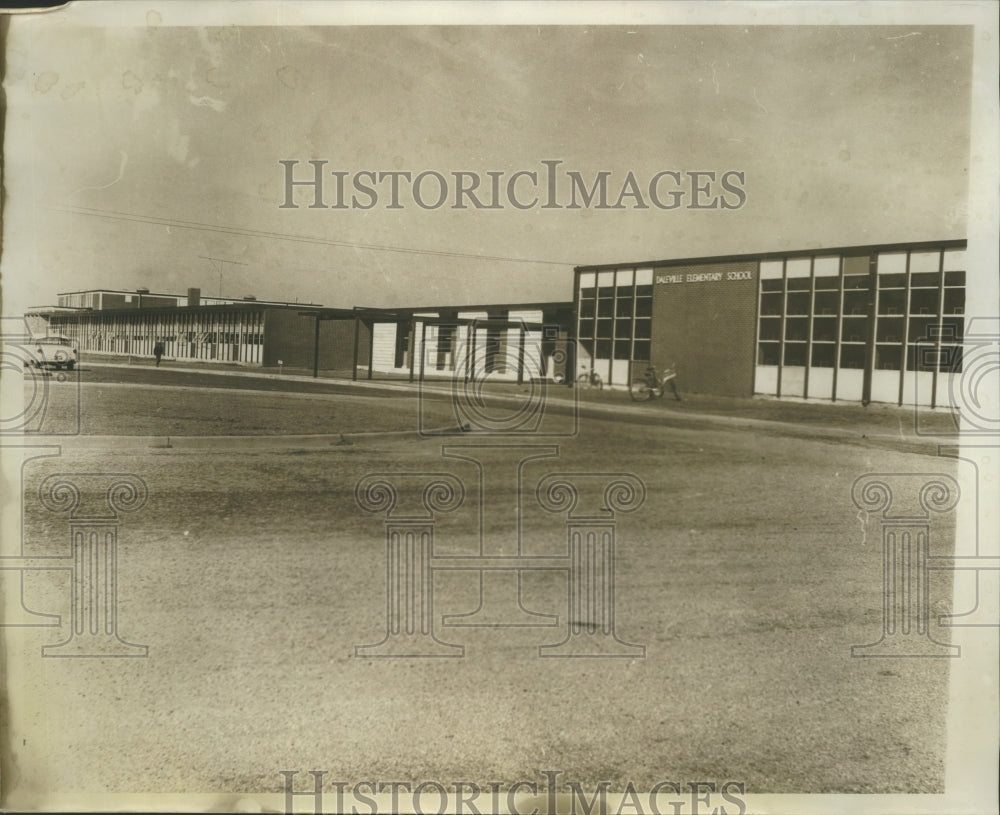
{"points": [[626, 326], [918, 319]]}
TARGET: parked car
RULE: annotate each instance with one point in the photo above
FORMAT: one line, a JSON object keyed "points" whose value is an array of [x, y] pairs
{"points": [[55, 351]]}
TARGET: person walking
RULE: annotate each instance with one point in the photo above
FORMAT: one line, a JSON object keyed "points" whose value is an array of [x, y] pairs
{"points": [[158, 352]]}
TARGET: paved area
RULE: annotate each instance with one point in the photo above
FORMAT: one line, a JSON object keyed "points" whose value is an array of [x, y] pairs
{"points": [[253, 574], [897, 427]]}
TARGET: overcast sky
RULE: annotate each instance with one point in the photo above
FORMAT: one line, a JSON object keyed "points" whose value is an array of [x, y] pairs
{"points": [[120, 139]]}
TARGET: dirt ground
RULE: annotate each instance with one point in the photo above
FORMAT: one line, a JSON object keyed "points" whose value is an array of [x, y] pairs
{"points": [[252, 575]]}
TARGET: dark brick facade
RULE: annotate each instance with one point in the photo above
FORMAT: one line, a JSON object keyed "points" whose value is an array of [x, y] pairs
{"points": [[707, 327], [291, 338]]}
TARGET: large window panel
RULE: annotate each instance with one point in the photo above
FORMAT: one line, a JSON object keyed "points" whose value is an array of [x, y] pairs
{"points": [[887, 357], [852, 356], [954, 301], [795, 354], [925, 280], [828, 266], [922, 328], [921, 262], [798, 268], [640, 350], [824, 355], [797, 303], [854, 329], [952, 329], [889, 329], [950, 359], [892, 281], [892, 302], [769, 353], [771, 304], [856, 302], [890, 263], [924, 301], [826, 302], [856, 266], [770, 329], [825, 329], [796, 329], [622, 349], [771, 269]]}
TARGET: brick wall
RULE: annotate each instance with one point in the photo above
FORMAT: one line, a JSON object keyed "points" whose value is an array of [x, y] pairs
{"points": [[291, 338], [707, 327]]}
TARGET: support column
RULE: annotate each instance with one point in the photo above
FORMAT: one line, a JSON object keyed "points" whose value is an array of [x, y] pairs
{"points": [[423, 349], [371, 348], [520, 356], [413, 345], [316, 350], [354, 357]]}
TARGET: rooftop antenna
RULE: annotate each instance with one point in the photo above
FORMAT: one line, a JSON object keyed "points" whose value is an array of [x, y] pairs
{"points": [[217, 263]]}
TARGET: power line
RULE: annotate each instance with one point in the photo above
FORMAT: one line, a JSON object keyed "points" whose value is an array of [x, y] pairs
{"points": [[259, 233]]}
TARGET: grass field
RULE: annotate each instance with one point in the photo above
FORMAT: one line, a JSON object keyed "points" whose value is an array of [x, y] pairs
{"points": [[253, 574]]}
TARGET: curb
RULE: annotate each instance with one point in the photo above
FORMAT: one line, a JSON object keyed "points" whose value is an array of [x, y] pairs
{"points": [[297, 441], [922, 444]]}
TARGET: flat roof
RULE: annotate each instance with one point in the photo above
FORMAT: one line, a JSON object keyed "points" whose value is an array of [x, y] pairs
{"points": [[222, 301], [422, 313], [960, 243], [478, 306], [238, 305]]}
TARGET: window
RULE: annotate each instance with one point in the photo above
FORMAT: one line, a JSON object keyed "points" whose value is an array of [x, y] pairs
{"points": [[614, 313]]}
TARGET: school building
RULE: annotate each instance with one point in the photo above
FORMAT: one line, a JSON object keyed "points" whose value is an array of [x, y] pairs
{"points": [[504, 341], [881, 323], [878, 323]]}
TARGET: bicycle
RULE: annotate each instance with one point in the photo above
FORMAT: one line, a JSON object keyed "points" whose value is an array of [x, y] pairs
{"points": [[653, 384], [590, 379]]}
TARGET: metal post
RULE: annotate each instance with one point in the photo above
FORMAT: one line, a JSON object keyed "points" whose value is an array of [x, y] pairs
{"points": [[413, 342], [354, 361], [423, 349], [371, 350], [520, 356], [470, 357], [316, 350], [866, 382]]}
